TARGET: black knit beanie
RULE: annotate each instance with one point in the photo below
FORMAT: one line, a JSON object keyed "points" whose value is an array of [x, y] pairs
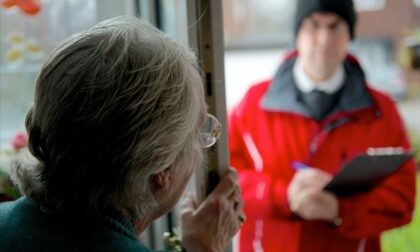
{"points": [[342, 8]]}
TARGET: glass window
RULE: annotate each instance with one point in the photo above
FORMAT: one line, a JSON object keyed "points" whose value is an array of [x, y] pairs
{"points": [[369, 5], [380, 29], [248, 23], [29, 31], [167, 19]]}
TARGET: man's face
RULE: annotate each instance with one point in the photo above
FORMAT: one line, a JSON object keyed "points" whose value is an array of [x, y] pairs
{"points": [[322, 44]]}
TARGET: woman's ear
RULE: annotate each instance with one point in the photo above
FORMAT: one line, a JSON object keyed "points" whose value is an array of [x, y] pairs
{"points": [[161, 181]]}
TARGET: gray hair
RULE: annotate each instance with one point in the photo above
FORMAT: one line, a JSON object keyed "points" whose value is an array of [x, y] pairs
{"points": [[113, 105]]}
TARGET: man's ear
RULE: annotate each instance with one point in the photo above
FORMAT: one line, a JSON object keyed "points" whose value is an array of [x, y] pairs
{"points": [[161, 180]]}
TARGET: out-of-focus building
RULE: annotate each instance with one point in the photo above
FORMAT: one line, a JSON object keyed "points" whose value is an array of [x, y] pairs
{"points": [[381, 35]]}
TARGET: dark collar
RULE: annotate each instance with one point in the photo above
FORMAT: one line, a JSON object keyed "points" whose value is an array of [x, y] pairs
{"points": [[282, 95], [117, 221]]}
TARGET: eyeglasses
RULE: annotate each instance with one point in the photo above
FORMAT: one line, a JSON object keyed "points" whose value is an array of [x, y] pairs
{"points": [[210, 131]]}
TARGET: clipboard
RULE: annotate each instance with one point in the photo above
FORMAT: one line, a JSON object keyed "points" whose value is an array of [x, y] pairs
{"points": [[364, 171]]}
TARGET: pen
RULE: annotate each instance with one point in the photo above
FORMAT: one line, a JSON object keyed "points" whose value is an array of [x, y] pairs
{"points": [[299, 165]]}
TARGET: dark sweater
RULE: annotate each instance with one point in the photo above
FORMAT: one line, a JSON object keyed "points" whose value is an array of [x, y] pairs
{"points": [[24, 227]]}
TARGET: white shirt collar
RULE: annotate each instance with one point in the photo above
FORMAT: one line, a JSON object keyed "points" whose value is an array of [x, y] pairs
{"points": [[305, 84]]}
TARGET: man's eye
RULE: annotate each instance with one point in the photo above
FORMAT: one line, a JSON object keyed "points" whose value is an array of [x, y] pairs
{"points": [[334, 26]]}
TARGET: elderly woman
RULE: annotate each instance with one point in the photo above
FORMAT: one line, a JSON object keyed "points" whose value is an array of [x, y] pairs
{"points": [[116, 128]]}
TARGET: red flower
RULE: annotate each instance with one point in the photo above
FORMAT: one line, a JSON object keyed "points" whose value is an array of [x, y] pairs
{"points": [[19, 141], [29, 7]]}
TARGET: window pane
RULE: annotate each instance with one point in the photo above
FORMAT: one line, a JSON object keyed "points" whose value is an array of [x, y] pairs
{"points": [[369, 5], [167, 20], [248, 23], [27, 36]]}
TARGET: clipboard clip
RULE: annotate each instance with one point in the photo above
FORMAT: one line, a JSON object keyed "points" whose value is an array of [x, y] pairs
{"points": [[384, 151]]}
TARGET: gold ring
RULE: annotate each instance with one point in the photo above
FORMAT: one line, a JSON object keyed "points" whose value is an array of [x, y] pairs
{"points": [[241, 218], [235, 205]]}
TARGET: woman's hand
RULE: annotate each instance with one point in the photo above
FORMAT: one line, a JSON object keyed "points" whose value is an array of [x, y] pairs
{"points": [[210, 225]]}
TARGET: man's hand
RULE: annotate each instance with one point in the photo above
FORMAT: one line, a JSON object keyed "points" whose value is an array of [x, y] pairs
{"points": [[210, 225], [312, 204], [308, 200]]}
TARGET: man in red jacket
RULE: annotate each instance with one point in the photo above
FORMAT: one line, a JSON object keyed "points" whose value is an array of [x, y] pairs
{"points": [[317, 110]]}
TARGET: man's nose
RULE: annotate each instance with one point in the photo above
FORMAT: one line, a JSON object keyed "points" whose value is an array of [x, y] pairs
{"points": [[325, 36]]}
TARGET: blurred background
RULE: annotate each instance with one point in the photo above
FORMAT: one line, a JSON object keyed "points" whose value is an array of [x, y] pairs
{"points": [[387, 44], [256, 35], [387, 36]]}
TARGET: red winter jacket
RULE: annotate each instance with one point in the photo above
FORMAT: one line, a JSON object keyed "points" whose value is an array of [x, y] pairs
{"points": [[270, 129]]}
